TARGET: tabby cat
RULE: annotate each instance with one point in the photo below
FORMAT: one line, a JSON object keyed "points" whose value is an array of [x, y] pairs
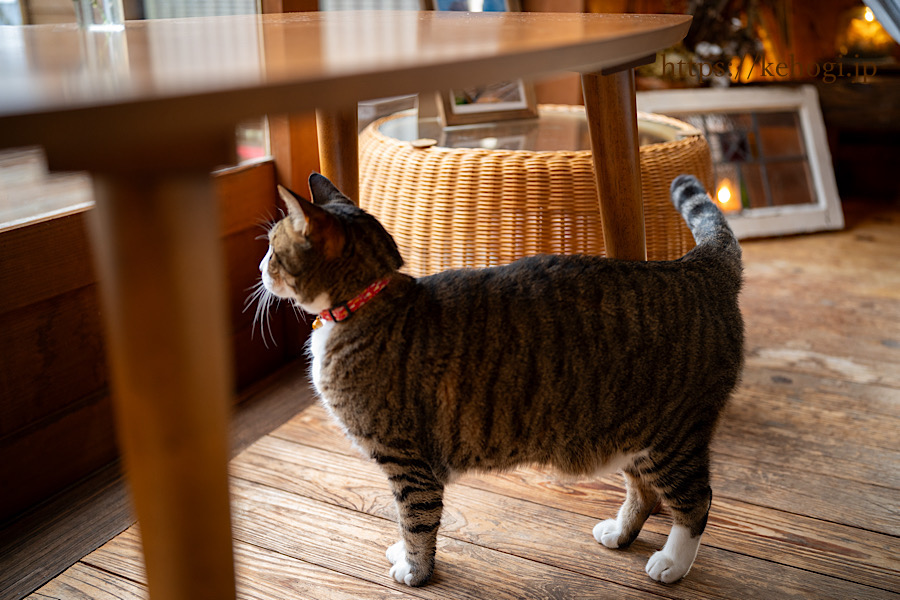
{"points": [[578, 362]]}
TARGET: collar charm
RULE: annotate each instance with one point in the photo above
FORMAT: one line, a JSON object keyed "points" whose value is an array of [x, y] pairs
{"points": [[345, 310]]}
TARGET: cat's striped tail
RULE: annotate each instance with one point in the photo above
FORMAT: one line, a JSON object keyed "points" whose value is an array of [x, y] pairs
{"points": [[703, 217]]}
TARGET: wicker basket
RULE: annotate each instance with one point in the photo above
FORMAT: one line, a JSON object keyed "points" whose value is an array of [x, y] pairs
{"points": [[457, 208]]}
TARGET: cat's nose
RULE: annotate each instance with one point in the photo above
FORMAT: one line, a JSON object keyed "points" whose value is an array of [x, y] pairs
{"points": [[264, 263]]}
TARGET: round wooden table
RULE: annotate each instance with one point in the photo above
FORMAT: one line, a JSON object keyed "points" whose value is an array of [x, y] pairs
{"points": [[151, 110]]}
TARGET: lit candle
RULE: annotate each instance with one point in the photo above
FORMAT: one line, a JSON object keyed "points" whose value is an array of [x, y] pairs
{"points": [[728, 201], [724, 194]]}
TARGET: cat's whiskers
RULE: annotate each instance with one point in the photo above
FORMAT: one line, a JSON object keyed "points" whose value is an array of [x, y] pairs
{"points": [[263, 299], [301, 314], [268, 222]]}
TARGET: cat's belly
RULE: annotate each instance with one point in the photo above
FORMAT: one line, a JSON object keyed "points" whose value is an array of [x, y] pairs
{"points": [[566, 465]]}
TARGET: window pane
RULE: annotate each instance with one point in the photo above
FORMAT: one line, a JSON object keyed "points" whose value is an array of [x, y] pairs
{"points": [[168, 9], [755, 191], [734, 146], [10, 12], [779, 134], [692, 119], [728, 193], [790, 183], [719, 122], [252, 140], [759, 158]]}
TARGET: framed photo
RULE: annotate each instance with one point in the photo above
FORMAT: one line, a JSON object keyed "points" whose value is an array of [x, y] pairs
{"points": [[769, 151], [476, 5], [496, 102]]}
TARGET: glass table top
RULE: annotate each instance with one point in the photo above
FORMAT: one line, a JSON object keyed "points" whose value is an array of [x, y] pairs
{"points": [[554, 131]]}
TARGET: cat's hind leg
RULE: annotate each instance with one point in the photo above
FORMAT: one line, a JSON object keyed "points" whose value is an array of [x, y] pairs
{"points": [[419, 498], [639, 502], [690, 503]]}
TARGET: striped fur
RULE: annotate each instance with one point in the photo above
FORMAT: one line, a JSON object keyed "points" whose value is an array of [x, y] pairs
{"points": [[572, 361]]}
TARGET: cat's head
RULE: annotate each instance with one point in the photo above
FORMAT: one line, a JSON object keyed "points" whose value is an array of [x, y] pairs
{"points": [[325, 251]]}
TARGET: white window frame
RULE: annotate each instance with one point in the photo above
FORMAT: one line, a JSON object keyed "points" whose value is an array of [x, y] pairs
{"points": [[825, 213]]}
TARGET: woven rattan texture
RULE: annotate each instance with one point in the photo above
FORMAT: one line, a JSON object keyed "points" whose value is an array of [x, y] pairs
{"points": [[462, 208]]}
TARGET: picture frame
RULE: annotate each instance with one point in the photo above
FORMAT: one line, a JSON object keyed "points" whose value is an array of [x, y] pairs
{"points": [[505, 100], [484, 104], [783, 179], [474, 5]]}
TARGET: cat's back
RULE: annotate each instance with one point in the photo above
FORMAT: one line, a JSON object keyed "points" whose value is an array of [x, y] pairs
{"points": [[570, 284]]}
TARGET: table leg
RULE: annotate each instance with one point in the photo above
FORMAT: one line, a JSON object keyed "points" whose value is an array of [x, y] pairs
{"points": [[294, 148], [155, 242], [612, 118], [339, 149]]}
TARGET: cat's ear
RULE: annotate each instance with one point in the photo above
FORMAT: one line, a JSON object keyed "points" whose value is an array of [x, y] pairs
{"points": [[295, 209], [314, 223], [324, 192]]}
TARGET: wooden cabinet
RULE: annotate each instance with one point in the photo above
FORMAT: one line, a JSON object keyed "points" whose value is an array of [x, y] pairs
{"points": [[56, 422]]}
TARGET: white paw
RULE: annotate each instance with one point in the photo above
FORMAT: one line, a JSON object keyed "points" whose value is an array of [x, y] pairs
{"points": [[401, 570], [675, 559], [662, 567], [396, 552], [607, 533]]}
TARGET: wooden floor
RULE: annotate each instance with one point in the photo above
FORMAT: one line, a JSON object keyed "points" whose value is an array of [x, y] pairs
{"points": [[806, 472]]}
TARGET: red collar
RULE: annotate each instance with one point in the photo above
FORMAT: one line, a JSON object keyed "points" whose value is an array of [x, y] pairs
{"points": [[345, 310]]}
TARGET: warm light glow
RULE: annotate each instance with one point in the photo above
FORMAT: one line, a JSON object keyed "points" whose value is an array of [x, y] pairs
{"points": [[863, 35], [724, 194], [728, 195]]}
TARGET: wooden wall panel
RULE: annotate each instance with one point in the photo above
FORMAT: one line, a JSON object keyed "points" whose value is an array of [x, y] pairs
{"points": [[281, 6], [78, 441], [255, 357], [243, 252], [49, 11], [53, 354], [43, 260], [55, 415], [294, 146], [247, 197]]}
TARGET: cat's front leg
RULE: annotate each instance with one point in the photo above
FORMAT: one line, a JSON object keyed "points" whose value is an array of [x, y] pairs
{"points": [[419, 499]]}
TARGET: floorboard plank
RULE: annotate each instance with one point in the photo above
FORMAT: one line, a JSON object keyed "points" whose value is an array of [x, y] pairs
{"points": [[312, 531], [790, 310], [829, 393], [793, 490], [827, 304], [83, 582], [50, 538], [813, 415], [350, 546], [45, 542], [798, 353], [843, 444], [560, 537], [261, 573], [777, 485]]}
